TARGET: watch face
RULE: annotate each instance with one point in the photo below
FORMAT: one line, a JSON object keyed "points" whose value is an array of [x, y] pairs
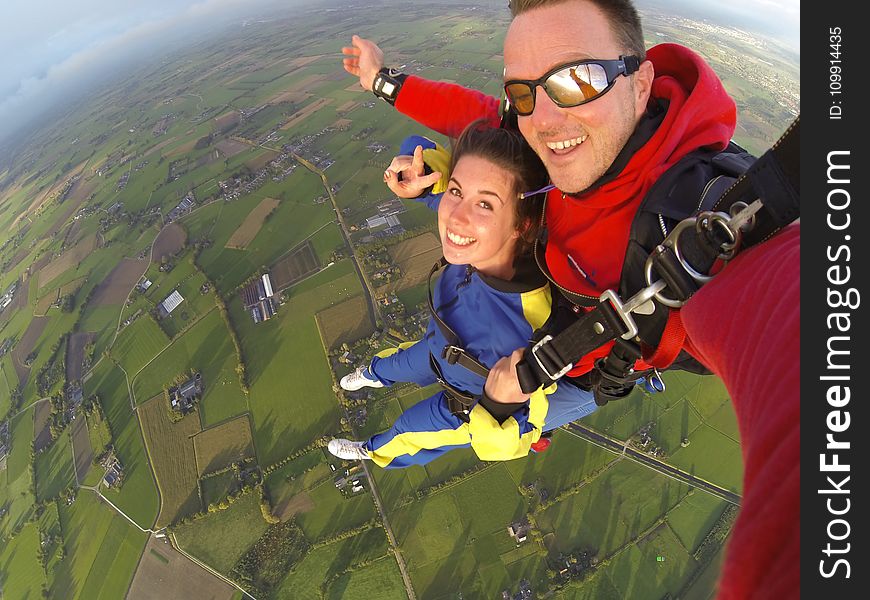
{"points": [[388, 88]]}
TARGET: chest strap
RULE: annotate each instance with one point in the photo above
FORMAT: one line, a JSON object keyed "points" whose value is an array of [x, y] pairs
{"points": [[759, 203]]}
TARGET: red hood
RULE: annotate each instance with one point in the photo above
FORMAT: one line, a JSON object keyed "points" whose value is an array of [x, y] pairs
{"points": [[593, 227], [700, 114]]}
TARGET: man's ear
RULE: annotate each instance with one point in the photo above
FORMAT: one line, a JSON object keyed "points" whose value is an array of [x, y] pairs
{"points": [[643, 79]]}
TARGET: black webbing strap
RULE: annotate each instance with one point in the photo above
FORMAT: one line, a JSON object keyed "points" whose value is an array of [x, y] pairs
{"points": [[459, 402], [453, 352], [773, 178]]}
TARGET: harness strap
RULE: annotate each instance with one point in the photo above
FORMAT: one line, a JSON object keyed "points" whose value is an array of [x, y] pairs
{"points": [[453, 352], [459, 402], [773, 180], [670, 345]]}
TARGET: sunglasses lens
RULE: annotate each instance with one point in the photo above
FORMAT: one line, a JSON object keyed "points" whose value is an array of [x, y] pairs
{"points": [[521, 97], [576, 84]]}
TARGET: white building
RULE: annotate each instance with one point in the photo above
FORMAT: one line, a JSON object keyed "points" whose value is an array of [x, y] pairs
{"points": [[172, 301]]}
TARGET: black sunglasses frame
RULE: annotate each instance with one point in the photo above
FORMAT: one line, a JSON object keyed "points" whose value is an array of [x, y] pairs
{"points": [[624, 65]]}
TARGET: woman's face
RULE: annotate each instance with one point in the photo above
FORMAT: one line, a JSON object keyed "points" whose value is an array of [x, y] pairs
{"points": [[477, 217]]}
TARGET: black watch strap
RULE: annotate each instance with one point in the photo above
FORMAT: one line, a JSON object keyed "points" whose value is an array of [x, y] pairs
{"points": [[387, 84]]}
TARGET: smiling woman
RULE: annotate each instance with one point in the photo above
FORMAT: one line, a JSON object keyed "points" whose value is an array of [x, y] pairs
{"points": [[489, 297]]}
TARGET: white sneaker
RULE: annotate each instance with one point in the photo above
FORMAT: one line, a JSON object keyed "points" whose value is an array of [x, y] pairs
{"points": [[348, 450], [360, 378]]}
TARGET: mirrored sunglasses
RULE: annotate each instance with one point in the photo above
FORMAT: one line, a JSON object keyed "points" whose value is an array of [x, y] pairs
{"points": [[570, 84]]}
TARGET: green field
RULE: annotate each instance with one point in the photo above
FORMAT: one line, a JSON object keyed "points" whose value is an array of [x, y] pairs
{"points": [[158, 125], [291, 388], [381, 579], [54, 468], [221, 538], [103, 550], [692, 518], [207, 348], [21, 574], [137, 496], [138, 343], [333, 513], [18, 477], [216, 488], [326, 564], [297, 476], [567, 462], [612, 510], [171, 453]]}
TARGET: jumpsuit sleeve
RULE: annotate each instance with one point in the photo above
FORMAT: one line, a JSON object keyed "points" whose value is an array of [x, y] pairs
{"points": [[435, 158], [445, 107], [494, 438]]}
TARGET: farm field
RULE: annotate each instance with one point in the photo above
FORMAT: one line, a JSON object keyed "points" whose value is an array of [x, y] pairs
{"points": [[345, 322], [215, 488], [165, 573], [220, 446], [138, 496], [54, 468], [206, 348], [249, 228], [138, 343], [20, 571], [103, 550], [291, 397], [322, 567], [18, 476], [171, 453], [221, 538]]}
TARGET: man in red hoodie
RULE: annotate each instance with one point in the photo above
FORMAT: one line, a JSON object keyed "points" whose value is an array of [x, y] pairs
{"points": [[604, 150]]}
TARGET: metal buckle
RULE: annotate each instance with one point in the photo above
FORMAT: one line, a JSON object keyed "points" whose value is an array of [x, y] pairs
{"points": [[451, 353], [546, 371], [655, 381], [639, 303]]}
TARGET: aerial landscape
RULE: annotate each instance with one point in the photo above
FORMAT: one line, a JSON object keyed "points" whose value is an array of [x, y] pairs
{"points": [[193, 255]]}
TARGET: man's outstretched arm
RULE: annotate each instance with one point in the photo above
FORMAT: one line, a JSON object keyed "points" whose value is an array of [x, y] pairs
{"points": [[443, 107]]}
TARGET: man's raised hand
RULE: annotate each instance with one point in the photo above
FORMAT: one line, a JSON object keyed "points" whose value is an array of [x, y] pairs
{"points": [[363, 59], [413, 181]]}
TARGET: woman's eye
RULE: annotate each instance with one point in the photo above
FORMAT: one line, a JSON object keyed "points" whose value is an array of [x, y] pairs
{"points": [[455, 192], [485, 204]]}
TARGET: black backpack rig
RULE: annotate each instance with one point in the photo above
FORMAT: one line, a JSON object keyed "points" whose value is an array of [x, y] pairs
{"points": [[698, 215]]}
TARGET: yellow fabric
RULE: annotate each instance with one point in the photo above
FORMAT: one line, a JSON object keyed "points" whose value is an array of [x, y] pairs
{"points": [[539, 404], [391, 351], [492, 441], [438, 159], [413, 441], [536, 306]]}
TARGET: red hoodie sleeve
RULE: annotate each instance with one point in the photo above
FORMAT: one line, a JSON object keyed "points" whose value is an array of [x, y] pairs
{"points": [[745, 325], [445, 107]]}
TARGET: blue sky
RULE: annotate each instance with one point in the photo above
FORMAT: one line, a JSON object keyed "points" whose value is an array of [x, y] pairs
{"points": [[50, 47]]}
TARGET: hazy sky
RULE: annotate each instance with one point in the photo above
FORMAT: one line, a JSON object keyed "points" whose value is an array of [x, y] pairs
{"points": [[50, 47]]}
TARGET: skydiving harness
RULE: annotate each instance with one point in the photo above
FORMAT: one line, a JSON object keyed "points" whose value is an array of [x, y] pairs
{"points": [[762, 200], [459, 402]]}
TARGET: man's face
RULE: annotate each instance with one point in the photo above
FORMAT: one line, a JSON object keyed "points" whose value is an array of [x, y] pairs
{"points": [[590, 135]]}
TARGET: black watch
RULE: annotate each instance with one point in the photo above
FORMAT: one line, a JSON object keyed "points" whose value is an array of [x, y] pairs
{"points": [[387, 84]]}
